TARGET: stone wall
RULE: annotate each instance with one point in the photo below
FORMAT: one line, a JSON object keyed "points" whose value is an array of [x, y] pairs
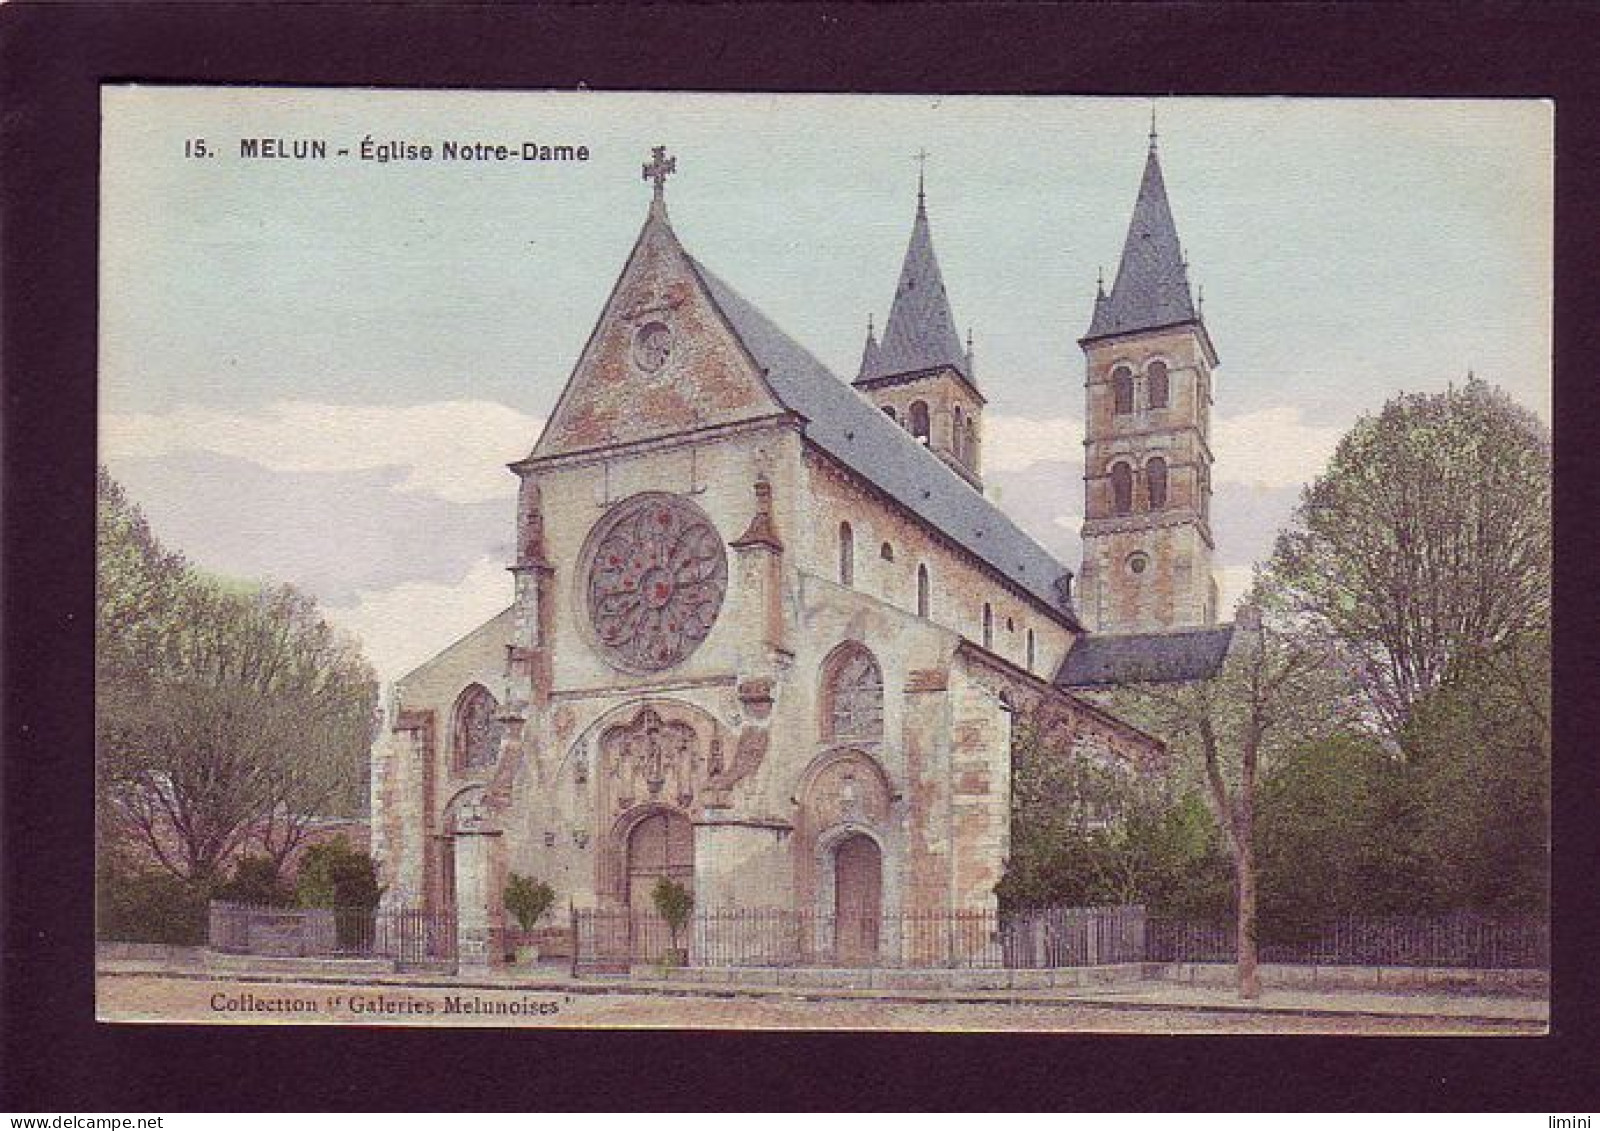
{"points": [[1174, 586], [960, 585]]}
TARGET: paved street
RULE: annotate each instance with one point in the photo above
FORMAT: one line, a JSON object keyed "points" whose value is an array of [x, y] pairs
{"points": [[154, 997]]}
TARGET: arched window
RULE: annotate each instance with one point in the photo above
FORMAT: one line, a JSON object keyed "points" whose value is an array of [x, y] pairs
{"points": [[923, 601], [988, 625], [958, 435], [919, 421], [1155, 481], [1155, 384], [476, 728], [1121, 488], [886, 552], [852, 695], [972, 442], [1030, 649], [1122, 390], [847, 554], [888, 410]]}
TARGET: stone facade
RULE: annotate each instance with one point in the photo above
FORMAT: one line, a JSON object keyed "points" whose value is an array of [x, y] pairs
{"points": [[1147, 555], [940, 407], [1147, 545], [730, 659]]}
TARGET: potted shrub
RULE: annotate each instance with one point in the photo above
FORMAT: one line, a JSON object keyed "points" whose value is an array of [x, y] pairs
{"points": [[528, 899], [674, 903]]}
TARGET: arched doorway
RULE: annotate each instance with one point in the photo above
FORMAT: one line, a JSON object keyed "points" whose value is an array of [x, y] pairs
{"points": [[661, 846], [857, 900], [443, 885]]}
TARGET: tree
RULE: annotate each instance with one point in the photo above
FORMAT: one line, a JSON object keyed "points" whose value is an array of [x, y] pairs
{"points": [[222, 713], [1085, 831], [1480, 745], [139, 584], [1429, 535], [1275, 688], [335, 875], [1336, 834], [257, 881], [140, 587]]}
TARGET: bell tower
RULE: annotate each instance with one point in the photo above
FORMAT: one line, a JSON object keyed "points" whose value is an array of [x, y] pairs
{"points": [[920, 375], [1147, 544]]}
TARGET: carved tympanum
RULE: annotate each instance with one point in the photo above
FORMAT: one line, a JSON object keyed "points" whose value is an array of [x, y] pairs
{"points": [[660, 755], [847, 787], [656, 581]]}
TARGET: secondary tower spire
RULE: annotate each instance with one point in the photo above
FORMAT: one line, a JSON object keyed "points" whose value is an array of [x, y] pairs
{"points": [[921, 331]]}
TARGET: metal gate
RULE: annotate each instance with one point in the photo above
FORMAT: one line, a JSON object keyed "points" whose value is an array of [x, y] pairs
{"points": [[421, 939]]}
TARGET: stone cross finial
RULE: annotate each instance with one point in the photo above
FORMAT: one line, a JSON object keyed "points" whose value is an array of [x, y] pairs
{"points": [[659, 169], [921, 158]]}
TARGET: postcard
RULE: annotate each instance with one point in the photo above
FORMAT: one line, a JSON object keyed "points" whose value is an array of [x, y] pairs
{"points": [[824, 562]]}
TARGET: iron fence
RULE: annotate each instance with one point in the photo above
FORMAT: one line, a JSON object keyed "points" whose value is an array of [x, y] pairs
{"points": [[1461, 939], [617, 938], [410, 937]]}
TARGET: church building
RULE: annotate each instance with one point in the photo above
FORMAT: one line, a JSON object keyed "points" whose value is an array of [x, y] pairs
{"points": [[769, 639]]}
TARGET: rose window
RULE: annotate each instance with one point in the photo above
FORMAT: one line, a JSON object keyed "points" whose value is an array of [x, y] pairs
{"points": [[656, 581]]}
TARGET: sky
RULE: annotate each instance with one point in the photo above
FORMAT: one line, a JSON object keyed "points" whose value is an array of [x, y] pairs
{"points": [[315, 371]]}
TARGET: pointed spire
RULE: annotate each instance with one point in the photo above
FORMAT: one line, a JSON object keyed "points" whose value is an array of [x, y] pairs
{"points": [[1152, 284], [869, 352], [921, 332]]}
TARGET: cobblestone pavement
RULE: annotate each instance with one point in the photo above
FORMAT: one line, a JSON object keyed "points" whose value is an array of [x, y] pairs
{"points": [[146, 997]]}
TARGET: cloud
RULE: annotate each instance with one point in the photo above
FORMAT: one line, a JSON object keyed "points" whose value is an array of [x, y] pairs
{"points": [[1034, 468], [334, 533], [1271, 448], [402, 626], [1233, 582], [1012, 443], [454, 450]]}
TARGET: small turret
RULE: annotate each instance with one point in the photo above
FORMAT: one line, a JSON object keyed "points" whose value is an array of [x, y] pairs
{"points": [[921, 375]]}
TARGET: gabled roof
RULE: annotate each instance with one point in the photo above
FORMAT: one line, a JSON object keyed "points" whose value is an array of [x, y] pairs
{"points": [[1146, 657], [1152, 284], [921, 333], [853, 431]]}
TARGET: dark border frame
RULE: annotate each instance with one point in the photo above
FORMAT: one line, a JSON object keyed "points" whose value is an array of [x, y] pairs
{"points": [[52, 59]]}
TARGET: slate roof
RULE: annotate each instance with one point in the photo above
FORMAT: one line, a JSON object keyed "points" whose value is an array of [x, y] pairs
{"points": [[921, 332], [1147, 657], [1152, 284], [869, 351], [852, 430]]}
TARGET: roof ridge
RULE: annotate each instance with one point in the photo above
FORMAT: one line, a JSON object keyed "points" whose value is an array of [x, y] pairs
{"points": [[850, 428]]}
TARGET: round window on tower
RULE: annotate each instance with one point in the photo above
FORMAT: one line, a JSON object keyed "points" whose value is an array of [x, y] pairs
{"points": [[1138, 562]]}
